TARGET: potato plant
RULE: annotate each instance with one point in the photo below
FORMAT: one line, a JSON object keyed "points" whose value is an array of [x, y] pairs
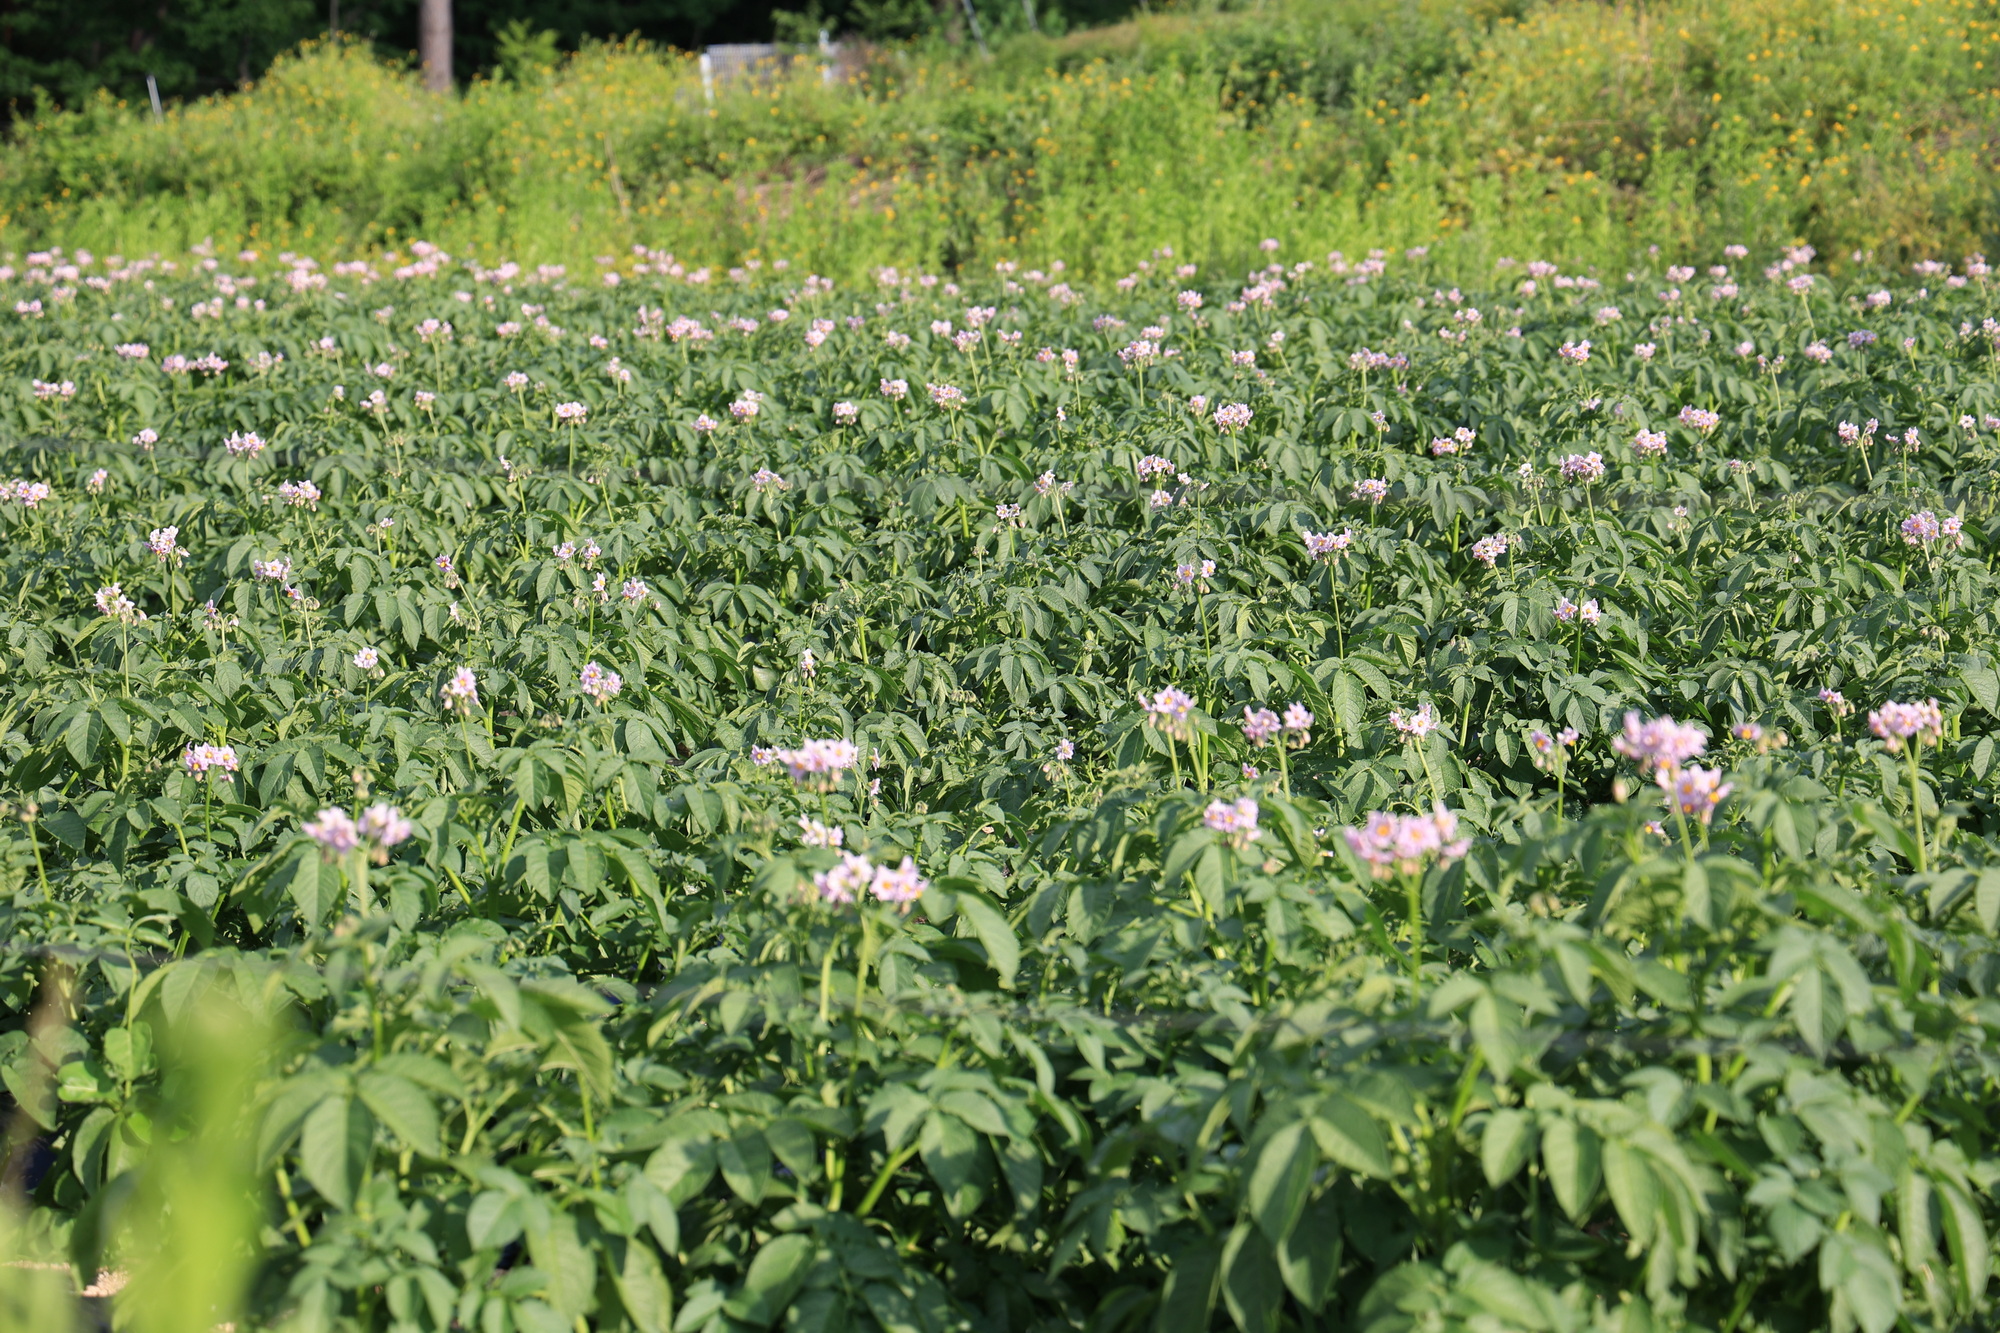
{"points": [[1313, 799]]}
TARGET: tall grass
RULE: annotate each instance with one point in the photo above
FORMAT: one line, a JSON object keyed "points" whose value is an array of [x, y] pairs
{"points": [[1583, 132]]}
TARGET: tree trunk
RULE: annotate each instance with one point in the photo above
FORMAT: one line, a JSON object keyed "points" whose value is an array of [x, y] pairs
{"points": [[434, 44]]}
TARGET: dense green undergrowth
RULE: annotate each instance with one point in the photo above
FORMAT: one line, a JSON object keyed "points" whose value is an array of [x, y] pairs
{"points": [[1583, 133], [596, 1043]]}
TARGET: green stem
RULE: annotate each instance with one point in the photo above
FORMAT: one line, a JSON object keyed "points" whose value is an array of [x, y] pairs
{"points": [[881, 1181], [1917, 806], [867, 957]]}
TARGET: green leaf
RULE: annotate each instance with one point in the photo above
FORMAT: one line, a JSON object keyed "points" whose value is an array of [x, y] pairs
{"points": [[1250, 1284], [990, 928], [1309, 1259], [493, 1220], [1507, 1144], [1190, 1290], [334, 1146], [745, 1160], [1984, 685], [643, 1289], [404, 1108], [1571, 1154], [957, 1159], [1347, 1135], [1634, 1192], [1986, 900], [775, 1275], [1279, 1182], [1965, 1230]]}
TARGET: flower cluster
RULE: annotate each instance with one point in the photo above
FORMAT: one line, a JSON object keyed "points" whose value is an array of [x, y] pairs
{"points": [[1661, 744], [812, 833], [1585, 468], [1394, 844], [1695, 791], [1547, 751], [380, 828], [818, 764], [27, 494], [461, 691], [1169, 711], [1896, 723], [112, 601], [163, 543], [299, 494], [1488, 550], [1235, 820], [1588, 613], [599, 683], [209, 760], [1326, 545], [1417, 724], [856, 875], [1924, 527], [1259, 725]]}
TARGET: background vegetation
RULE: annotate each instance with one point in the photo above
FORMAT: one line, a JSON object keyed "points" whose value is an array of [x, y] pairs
{"points": [[1586, 131]]}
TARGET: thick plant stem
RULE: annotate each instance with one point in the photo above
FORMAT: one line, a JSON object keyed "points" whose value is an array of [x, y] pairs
{"points": [[1413, 890], [1917, 808], [867, 957]]}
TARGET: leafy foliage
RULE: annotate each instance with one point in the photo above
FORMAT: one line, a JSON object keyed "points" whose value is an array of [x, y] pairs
{"points": [[593, 1043]]}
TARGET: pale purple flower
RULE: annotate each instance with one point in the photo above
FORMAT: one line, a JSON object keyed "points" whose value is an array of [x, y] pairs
{"points": [[1327, 545], [818, 764], [383, 826], [1394, 844], [812, 833], [367, 659], [1920, 528], [162, 542], [1372, 489], [1233, 416], [1169, 709], [1488, 550], [1416, 725], [1661, 743], [599, 683], [462, 690], [571, 413], [901, 886], [209, 760], [1896, 723], [1585, 468], [1650, 443], [1700, 419], [112, 601], [1260, 726], [334, 831], [1695, 790], [1235, 820], [845, 882]]}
